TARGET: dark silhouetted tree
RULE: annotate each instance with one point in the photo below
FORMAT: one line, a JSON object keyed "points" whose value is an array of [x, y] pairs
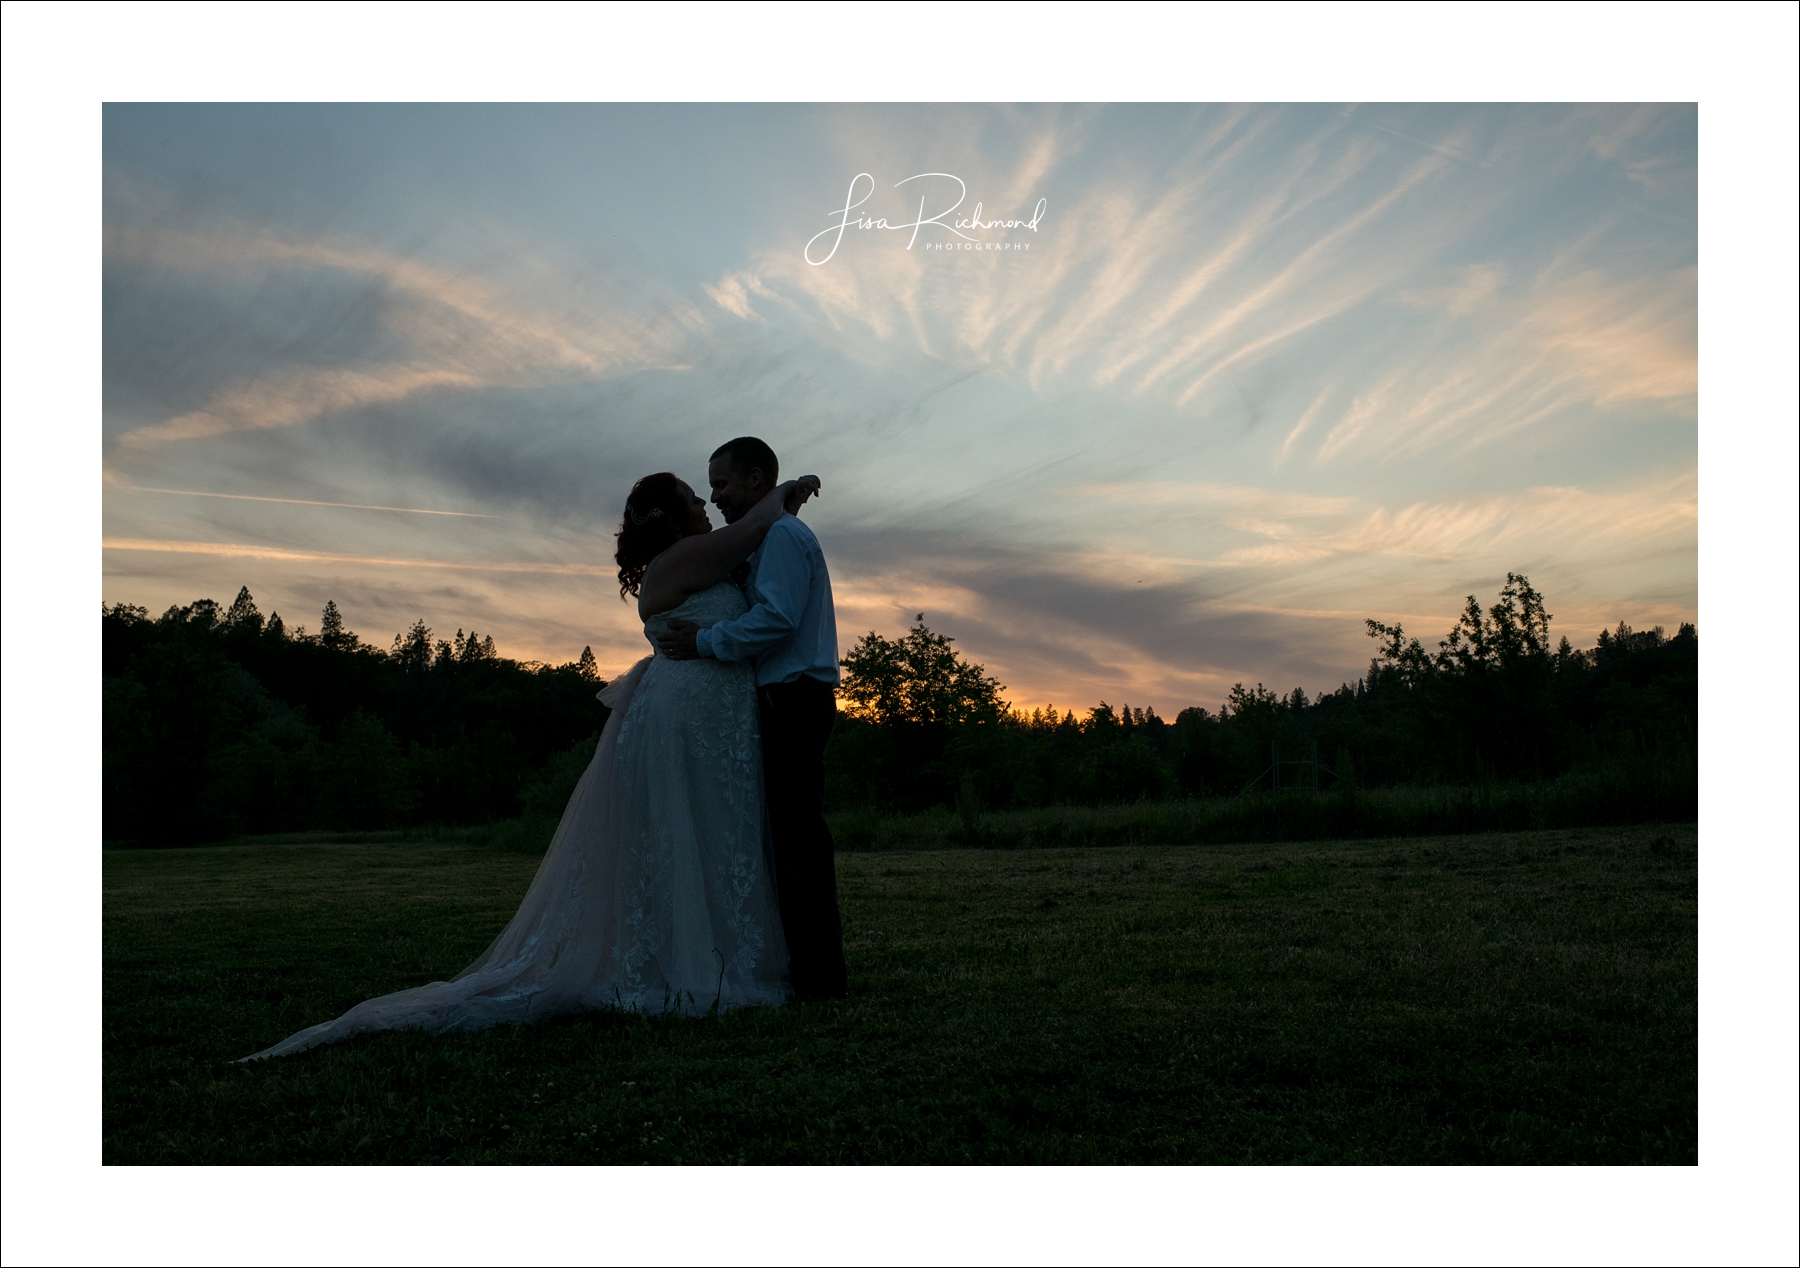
{"points": [[916, 680], [210, 728], [920, 718], [242, 616], [412, 651], [332, 633], [475, 648]]}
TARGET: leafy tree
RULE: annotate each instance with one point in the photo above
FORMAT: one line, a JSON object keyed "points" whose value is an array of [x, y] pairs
{"points": [[365, 782], [216, 722], [916, 680], [919, 718]]}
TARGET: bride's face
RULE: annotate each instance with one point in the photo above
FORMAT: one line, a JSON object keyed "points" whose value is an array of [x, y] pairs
{"points": [[698, 522]]}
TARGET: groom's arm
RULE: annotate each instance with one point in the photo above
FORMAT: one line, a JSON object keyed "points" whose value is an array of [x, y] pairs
{"points": [[783, 585]]}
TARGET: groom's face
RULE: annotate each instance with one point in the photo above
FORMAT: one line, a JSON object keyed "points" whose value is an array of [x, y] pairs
{"points": [[734, 492]]}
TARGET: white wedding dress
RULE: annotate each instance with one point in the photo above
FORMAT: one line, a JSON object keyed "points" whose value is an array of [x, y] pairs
{"points": [[655, 894]]}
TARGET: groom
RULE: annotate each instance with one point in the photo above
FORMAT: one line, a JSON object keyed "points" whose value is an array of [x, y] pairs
{"points": [[790, 633]]}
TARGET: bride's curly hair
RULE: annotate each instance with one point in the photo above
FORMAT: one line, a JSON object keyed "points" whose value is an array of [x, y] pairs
{"points": [[654, 515]]}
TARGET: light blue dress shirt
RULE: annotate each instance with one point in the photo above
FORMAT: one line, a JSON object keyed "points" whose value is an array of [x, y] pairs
{"points": [[790, 630]]}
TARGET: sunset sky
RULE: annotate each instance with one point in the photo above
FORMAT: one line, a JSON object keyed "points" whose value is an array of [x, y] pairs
{"points": [[1257, 373]]}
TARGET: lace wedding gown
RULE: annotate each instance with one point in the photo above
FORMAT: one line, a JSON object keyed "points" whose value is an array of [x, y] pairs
{"points": [[655, 894]]}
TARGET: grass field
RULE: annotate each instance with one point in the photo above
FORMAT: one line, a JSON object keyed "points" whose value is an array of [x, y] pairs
{"points": [[1613, 794], [1501, 998]]}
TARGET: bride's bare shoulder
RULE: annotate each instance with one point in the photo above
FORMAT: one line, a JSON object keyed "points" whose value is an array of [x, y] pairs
{"points": [[664, 601], [657, 593]]}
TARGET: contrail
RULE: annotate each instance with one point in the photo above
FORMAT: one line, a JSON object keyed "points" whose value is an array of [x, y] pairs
{"points": [[349, 506], [235, 550]]}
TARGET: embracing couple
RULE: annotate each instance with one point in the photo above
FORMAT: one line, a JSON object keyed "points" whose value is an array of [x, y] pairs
{"points": [[692, 868]]}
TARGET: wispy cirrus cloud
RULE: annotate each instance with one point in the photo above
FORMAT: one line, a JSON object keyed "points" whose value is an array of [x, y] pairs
{"points": [[450, 329], [254, 550], [1146, 284], [1289, 527], [1169, 291], [1501, 361], [1264, 372], [1167, 592], [285, 397], [251, 497]]}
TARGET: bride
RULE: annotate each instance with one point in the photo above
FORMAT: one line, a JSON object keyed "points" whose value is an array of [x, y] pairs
{"points": [[655, 894]]}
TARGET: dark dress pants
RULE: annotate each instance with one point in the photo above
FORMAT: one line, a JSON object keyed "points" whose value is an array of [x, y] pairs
{"points": [[797, 718]]}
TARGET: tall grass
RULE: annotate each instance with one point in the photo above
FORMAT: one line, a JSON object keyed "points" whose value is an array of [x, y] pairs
{"points": [[1616, 793], [1628, 790]]}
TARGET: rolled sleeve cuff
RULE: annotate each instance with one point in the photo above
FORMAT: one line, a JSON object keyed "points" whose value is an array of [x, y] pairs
{"points": [[703, 642]]}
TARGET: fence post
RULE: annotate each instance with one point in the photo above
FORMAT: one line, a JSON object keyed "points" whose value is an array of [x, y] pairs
{"points": [[1275, 763], [1315, 765]]}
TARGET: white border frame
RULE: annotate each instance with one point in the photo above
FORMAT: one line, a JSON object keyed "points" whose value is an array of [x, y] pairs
{"points": [[1737, 61]]}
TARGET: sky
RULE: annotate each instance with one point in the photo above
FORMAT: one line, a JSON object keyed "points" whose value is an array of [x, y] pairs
{"points": [[1193, 394]]}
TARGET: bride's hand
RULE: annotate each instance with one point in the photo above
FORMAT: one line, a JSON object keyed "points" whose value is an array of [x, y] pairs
{"points": [[797, 491]]}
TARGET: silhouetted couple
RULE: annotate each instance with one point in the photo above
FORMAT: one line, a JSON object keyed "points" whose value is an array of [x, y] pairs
{"points": [[692, 868]]}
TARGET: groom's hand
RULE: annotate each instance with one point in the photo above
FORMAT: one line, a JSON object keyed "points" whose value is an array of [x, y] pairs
{"points": [[677, 642]]}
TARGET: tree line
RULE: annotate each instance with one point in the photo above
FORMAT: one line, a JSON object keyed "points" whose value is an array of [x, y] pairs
{"points": [[219, 722], [1494, 701]]}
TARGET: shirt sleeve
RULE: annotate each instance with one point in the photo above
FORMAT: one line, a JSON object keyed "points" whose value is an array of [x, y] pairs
{"points": [[783, 584]]}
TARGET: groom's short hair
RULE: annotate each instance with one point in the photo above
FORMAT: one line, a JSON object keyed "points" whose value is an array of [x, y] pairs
{"points": [[747, 454]]}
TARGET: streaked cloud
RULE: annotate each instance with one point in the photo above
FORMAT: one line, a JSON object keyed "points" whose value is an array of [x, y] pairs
{"points": [[238, 550], [1201, 584], [347, 506], [456, 330], [1263, 373]]}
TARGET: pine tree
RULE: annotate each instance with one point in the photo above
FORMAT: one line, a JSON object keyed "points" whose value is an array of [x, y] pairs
{"points": [[242, 615], [331, 627], [413, 648], [587, 666]]}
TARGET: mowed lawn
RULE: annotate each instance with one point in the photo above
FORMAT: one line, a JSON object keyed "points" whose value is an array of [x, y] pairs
{"points": [[1503, 998]]}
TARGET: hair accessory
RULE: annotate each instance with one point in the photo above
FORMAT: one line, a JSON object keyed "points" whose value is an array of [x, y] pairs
{"points": [[640, 520]]}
